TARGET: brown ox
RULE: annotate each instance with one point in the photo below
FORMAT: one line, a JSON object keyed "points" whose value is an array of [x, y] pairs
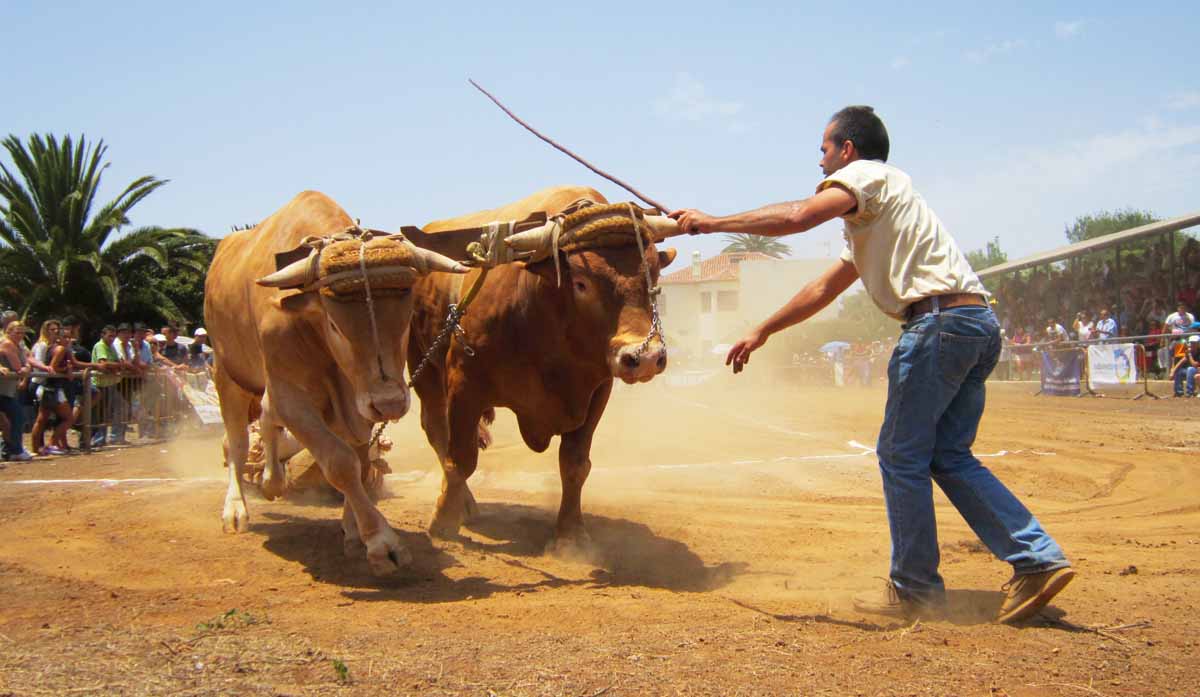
{"points": [[548, 352], [311, 356]]}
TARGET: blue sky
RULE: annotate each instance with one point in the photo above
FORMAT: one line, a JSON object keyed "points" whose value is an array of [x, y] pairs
{"points": [[1011, 120]]}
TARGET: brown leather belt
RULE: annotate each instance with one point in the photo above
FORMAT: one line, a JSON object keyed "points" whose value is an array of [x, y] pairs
{"points": [[945, 302]]}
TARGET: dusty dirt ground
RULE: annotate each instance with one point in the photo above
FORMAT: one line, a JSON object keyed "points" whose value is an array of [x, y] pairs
{"points": [[732, 524]]}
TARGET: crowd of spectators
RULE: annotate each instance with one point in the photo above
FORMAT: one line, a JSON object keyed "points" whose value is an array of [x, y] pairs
{"points": [[42, 385], [1092, 299]]}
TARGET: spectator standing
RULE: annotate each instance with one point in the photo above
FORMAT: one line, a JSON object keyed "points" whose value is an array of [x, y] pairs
{"points": [[1106, 327], [81, 359], [51, 401], [1178, 321], [1193, 365], [108, 354], [1022, 353], [54, 392], [172, 354], [13, 363], [197, 357], [1083, 326], [1055, 332], [1179, 367], [145, 391]]}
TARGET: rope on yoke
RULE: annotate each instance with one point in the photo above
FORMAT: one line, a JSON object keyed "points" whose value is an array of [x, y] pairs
{"points": [[362, 266]]}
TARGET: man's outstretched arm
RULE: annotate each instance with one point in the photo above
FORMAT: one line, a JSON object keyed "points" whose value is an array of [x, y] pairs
{"points": [[774, 220], [811, 299]]}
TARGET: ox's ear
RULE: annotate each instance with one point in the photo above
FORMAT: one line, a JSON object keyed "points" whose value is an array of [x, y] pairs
{"points": [[665, 257], [545, 269]]}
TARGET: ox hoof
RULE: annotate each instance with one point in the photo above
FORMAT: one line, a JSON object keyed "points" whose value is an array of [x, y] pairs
{"points": [[272, 488], [445, 527], [470, 508], [353, 548], [386, 555], [235, 519], [574, 546]]}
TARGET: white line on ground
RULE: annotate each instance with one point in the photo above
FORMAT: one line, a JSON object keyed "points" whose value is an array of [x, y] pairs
{"points": [[112, 482]]}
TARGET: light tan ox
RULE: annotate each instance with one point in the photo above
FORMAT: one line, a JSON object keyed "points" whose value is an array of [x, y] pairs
{"points": [[303, 335]]}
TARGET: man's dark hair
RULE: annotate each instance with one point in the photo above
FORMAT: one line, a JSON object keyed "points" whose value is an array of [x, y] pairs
{"points": [[108, 328], [863, 127], [70, 321], [139, 326], [124, 327]]}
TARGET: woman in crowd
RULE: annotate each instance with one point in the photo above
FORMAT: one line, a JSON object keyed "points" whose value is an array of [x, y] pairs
{"points": [[1022, 354], [47, 400], [54, 391], [13, 362]]}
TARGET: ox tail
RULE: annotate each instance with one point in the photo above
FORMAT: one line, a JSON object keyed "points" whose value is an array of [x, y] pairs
{"points": [[485, 434]]}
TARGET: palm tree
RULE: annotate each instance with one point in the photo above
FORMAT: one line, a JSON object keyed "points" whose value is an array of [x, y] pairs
{"points": [[149, 294], [55, 254], [762, 244]]}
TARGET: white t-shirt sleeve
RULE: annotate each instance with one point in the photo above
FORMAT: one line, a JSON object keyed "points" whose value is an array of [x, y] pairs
{"points": [[865, 182]]}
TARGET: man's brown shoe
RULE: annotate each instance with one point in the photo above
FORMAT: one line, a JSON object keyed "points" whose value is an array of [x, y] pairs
{"points": [[886, 600], [1029, 593]]}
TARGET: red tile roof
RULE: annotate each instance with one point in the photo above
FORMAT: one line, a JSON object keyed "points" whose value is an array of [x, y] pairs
{"points": [[723, 267]]}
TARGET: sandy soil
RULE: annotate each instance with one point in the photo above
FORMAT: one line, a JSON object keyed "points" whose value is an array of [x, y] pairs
{"points": [[732, 524]]}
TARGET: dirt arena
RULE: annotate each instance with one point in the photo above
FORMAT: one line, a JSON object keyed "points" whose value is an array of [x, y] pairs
{"points": [[732, 525]]}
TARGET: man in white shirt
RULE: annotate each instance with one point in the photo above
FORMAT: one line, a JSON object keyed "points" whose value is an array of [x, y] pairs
{"points": [[1178, 321], [1106, 327], [1056, 332], [914, 272]]}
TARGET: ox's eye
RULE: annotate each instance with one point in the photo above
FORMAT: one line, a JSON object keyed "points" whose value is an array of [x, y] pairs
{"points": [[580, 287]]}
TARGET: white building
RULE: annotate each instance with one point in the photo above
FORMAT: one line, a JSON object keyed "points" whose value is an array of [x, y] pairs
{"points": [[714, 301]]}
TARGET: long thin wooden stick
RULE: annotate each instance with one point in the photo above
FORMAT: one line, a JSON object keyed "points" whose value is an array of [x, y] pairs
{"points": [[570, 154]]}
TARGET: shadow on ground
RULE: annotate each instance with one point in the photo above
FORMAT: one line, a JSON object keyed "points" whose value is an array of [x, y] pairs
{"points": [[627, 553]]}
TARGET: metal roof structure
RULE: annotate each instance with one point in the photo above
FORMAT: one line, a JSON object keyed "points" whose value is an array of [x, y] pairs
{"points": [[1093, 245]]}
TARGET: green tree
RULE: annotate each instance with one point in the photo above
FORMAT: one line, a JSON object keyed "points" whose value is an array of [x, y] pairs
{"points": [[762, 244], [1103, 223], [178, 296], [989, 256], [61, 253]]}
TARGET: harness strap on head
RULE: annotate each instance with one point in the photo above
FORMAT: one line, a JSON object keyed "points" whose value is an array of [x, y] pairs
{"points": [[362, 266]]}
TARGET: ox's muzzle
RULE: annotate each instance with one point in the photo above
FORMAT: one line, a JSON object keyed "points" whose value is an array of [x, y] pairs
{"points": [[638, 362], [384, 401]]}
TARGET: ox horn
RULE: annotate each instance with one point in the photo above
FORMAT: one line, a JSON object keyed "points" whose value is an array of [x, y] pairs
{"points": [[538, 240], [295, 275], [432, 261], [663, 227]]}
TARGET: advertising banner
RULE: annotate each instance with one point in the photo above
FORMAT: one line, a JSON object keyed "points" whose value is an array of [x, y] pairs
{"points": [[1112, 364], [1061, 372]]}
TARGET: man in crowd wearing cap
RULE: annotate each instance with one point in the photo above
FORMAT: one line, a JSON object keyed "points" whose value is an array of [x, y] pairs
{"points": [[915, 272], [1187, 360], [197, 358]]}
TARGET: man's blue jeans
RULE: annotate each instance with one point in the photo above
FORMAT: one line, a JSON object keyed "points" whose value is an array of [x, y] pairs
{"points": [[11, 407], [114, 407], [935, 400], [1185, 375]]}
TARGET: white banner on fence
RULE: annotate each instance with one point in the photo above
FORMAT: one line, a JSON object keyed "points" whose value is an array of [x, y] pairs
{"points": [[1112, 364], [204, 402]]}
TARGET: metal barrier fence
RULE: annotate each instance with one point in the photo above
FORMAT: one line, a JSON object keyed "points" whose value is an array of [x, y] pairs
{"points": [[106, 405], [1143, 359], [153, 401]]}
